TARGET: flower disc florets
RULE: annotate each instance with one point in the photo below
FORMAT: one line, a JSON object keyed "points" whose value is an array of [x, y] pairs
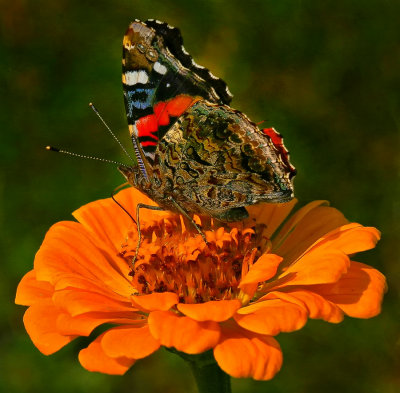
{"points": [[174, 258]]}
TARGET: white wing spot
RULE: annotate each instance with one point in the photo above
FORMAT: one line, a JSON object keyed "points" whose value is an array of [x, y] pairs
{"points": [[212, 75], [160, 68], [131, 78], [143, 77], [134, 77]]}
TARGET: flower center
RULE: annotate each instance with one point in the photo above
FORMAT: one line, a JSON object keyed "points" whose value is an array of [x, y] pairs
{"points": [[176, 259]]}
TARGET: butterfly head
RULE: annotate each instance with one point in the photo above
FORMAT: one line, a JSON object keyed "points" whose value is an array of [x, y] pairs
{"points": [[132, 174]]}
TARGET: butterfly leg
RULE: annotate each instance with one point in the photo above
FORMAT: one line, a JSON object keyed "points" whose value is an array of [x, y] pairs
{"points": [[183, 212], [138, 207]]}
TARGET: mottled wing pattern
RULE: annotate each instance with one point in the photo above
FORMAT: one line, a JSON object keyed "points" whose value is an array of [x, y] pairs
{"points": [[224, 162], [160, 81]]}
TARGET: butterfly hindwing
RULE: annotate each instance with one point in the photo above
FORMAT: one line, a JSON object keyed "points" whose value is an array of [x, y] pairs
{"points": [[160, 81], [221, 162]]}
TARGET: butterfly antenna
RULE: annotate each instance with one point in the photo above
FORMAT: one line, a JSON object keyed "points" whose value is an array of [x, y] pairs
{"points": [[112, 134], [57, 150]]}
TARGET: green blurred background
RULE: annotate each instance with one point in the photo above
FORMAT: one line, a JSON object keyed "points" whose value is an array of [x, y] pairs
{"points": [[325, 74]]}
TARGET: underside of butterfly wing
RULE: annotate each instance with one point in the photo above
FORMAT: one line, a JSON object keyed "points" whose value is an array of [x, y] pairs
{"points": [[215, 161], [160, 81]]}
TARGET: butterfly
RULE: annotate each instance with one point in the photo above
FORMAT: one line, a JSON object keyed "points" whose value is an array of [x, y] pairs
{"points": [[195, 154]]}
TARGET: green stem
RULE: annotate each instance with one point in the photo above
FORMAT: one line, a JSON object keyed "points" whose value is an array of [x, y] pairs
{"points": [[209, 377]]}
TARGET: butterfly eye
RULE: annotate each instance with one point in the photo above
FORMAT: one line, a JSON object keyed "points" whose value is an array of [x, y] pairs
{"points": [[141, 48], [151, 55]]}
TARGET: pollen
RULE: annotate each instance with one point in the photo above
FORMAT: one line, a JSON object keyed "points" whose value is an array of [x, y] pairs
{"points": [[174, 258]]}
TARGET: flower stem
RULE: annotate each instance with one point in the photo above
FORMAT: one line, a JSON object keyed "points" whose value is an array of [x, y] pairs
{"points": [[209, 377]]}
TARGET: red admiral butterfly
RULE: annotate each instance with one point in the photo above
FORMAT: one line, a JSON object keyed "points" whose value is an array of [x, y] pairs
{"points": [[195, 154]]}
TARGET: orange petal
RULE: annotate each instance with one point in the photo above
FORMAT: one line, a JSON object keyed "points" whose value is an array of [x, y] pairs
{"points": [[316, 306], [70, 280], [68, 248], [129, 341], [264, 269], [218, 310], [83, 324], [271, 317], [297, 217], [183, 333], [358, 293], [155, 301], [77, 302], [244, 355], [270, 214], [93, 358], [30, 291], [315, 267], [105, 213], [350, 238], [41, 324], [305, 227]]}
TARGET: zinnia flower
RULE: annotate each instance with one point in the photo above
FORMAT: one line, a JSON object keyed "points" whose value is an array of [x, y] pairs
{"points": [[231, 295]]}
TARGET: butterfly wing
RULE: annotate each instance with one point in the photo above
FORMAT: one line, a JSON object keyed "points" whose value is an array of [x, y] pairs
{"points": [[223, 162], [160, 81]]}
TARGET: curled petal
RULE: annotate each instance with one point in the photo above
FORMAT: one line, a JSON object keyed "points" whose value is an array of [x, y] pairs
{"points": [[129, 341], [244, 354], [218, 311], [264, 269], [40, 322], [305, 227], [155, 301], [83, 324], [316, 306], [350, 239], [73, 281], [30, 291], [183, 333], [315, 267], [77, 302], [270, 214], [93, 358], [358, 293], [272, 317]]}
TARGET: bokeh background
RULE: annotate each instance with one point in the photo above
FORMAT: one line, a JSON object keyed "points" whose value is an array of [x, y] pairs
{"points": [[325, 74]]}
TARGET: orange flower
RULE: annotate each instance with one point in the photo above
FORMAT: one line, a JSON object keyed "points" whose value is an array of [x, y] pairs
{"points": [[249, 283]]}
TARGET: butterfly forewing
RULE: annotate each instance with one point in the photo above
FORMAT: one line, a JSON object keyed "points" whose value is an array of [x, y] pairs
{"points": [[161, 81]]}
